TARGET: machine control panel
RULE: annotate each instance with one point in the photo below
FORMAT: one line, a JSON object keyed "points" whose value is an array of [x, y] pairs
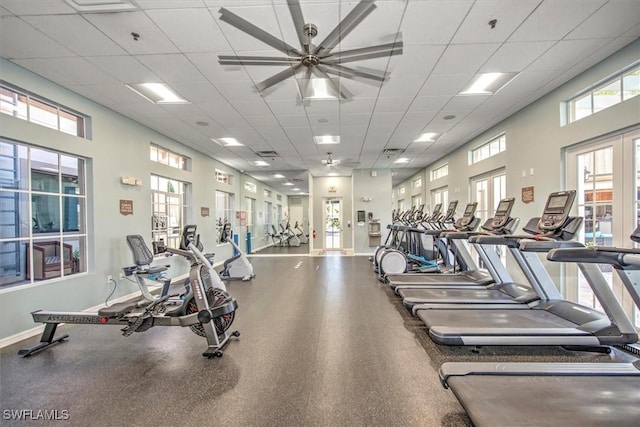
{"points": [[556, 211], [503, 213]]}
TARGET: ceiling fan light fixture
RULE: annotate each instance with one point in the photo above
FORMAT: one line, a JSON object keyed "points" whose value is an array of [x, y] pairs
{"points": [[318, 88], [227, 142], [487, 83], [427, 137], [158, 93], [327, 139]]}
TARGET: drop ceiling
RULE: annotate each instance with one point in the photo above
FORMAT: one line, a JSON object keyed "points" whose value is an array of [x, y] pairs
{"points": [[445, 44]]}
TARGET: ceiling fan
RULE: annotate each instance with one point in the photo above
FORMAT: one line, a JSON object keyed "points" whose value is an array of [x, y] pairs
{"points": [[330, 162], [318, 62]]}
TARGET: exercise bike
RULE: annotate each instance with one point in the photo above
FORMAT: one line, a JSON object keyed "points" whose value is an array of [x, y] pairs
{"points": [[238, 266], [207, 309]]}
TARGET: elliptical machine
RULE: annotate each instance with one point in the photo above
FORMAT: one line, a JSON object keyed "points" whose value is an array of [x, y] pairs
{"points": [[208, 310], [238, 266]]}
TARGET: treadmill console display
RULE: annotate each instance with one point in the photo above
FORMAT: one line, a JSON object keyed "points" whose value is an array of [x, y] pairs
{"points": [[556, 211], [436, 211], [503, 212], [468, 214], [451, 210]]}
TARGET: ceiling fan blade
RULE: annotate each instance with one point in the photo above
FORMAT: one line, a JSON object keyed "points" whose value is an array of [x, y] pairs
{"points": [[351, 73], [298, 22], [256, 32], [359, 54], [277, 78], [254, 60], [344, 93], [353, 18]]}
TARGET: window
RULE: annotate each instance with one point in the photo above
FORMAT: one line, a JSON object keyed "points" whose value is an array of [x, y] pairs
{"points": [[625, 85], [250, 187], [167, 157], [440, 195], [267, 193], [21, 105], [169, 205], [249, 205], [224, 205], [267, 218], [417, 183], [488, 149], [416, 200], [42, 214], [487, 190], [401, 191], [279, 197], [224, 177], [439, 172]]}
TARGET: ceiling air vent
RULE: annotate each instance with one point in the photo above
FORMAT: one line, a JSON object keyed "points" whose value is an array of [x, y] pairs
{"points": [[392, 151], [266, 154]]}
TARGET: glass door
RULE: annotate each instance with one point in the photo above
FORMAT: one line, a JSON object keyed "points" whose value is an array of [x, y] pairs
{"points": [[333, 224]]}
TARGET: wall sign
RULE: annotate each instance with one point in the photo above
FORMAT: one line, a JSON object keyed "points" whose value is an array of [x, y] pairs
{"points": [[333, 189], [126, 207], [204, 211], [527, 194]]}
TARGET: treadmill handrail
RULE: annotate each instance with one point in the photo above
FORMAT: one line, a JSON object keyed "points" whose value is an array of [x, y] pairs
{"points": [[618, 258]]}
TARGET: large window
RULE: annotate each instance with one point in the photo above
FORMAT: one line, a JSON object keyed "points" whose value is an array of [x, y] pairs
{"points": [[250, 207], [169, 207], [488, 149], [224, 206], [223, 177], [42, 214], [168, 157], [440, 172], [623, 86], [21, 105], [487, 190], [440, 195]]}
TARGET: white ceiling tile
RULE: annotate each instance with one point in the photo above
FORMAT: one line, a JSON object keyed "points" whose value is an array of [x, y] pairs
{"points": [[172, 67], [625, 14], [424, 104], [74, 70], [440, 85], [191, 30], [119, 26], [464, 59], [170, 4], [75, 33], [433, 22], [406, 87], [27, 42], [509, 15], [389, 105], [565, 54], [37, 7], [554, 19], [208, 65], [127, 69], [415, 60], [513, 57]]}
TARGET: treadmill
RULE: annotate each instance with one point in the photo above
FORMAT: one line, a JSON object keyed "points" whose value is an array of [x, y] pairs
{"points": [[548, 321], [567, 394], [500, 292], [501, 223]]}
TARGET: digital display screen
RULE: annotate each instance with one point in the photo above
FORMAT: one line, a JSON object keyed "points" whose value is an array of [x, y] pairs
{"points": [[437, 208], [557, 202], [503, 206], [470, 209]]}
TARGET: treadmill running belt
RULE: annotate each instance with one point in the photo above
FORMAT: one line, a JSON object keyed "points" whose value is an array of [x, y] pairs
{"points": [[549, 400]]}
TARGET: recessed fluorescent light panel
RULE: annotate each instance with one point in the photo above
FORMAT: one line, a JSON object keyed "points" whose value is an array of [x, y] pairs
{"points": [[278, 175], [260, 163], [295, 189], [327, 139], [288, 183], [158, 93], [487, 83], [227, 142], [402, 160], [98, 6], [427, 137]]}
